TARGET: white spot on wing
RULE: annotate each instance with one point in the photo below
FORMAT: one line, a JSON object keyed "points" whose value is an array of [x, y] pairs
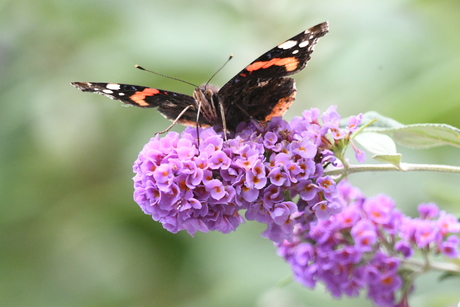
{"points": [[287, 44], [295, 51], [121, 94], [107, 91], [113, 86], [304, 44]]}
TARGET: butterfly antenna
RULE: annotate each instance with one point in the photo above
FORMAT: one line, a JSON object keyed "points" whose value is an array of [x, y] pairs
{"points": [[228, 60], [156, 73]]}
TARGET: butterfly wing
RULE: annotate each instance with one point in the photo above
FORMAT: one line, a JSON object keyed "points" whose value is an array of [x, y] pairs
{"points": [[169, 104], [264, 81], [285, 59], [260, 99]]}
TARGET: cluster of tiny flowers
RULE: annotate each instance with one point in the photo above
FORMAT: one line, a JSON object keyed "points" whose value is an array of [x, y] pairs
{"points": [[365, 247], [198, 181]]}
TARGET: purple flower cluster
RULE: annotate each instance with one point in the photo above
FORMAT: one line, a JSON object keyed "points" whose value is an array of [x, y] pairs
{"points": [[205, 184], [431, 232], [367, 245]]}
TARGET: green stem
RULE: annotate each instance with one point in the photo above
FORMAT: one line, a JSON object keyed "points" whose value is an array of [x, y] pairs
{"points": [[405, 167], [439, 266]]}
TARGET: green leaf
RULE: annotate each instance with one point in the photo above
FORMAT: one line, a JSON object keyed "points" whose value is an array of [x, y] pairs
{"points": [[381, 145], [417, 136], [425, 135], [394, 159], [376, 143], [382, 122]]}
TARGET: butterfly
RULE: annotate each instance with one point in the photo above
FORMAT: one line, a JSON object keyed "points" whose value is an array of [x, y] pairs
{"points": [[260, 91]]}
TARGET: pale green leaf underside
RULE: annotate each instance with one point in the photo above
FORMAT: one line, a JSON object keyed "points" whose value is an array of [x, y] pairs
{"points": [[376, 143]]}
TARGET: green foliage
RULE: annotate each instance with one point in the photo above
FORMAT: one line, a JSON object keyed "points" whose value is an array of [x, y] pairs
{"points": [[416, 136], [70, 232]]}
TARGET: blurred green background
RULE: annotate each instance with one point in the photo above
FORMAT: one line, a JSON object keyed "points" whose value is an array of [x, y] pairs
{"points": [[70, 232]]}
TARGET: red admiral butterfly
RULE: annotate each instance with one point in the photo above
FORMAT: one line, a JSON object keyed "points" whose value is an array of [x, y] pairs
{"points": [[260, 91]]}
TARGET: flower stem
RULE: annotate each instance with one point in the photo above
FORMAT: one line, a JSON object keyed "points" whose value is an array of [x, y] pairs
{"points": [[405, 167], [438, 266]]}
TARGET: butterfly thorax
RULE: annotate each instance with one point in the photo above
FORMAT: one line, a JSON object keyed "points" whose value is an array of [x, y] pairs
{"points": [[208, 103]]}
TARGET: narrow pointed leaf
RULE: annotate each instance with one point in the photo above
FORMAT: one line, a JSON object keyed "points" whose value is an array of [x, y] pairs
{"points": [[394, 159]]}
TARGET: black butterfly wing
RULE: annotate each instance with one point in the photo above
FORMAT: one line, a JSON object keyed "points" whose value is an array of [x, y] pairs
{"points": [[261, 90], [285, 59], [260, 99], [169, 104]]}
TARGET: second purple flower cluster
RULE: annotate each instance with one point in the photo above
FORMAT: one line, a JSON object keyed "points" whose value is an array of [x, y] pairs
{"points": [[369, 246]]}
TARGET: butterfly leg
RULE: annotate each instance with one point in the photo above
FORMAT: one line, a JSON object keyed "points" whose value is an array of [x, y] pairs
{"points": [[197, 124], [224, 123], [176, 120]]}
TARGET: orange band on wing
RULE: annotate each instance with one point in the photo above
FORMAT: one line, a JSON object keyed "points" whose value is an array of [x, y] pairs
{"points": [[139, 97], [281, 107], [290, 64]]}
